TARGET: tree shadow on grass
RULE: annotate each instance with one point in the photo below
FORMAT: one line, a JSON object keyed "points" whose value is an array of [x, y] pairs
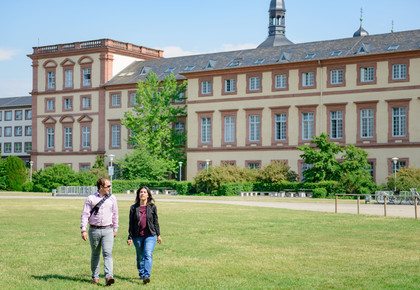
{"points": [[78, 279]]}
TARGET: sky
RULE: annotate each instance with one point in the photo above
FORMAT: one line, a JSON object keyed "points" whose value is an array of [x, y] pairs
{"points": [[180, 27]]}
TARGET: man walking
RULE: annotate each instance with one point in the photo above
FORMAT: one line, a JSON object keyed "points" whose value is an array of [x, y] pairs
{"points": [[101, 212]]}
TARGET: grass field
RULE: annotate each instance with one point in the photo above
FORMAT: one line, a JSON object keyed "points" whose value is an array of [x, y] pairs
{"points": [[213, 247]]}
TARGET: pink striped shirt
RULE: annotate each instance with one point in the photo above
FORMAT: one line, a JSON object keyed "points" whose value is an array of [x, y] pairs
{"points": [[107, 214]]}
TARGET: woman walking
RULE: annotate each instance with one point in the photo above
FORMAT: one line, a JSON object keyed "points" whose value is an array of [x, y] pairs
{"points": [[144, 231]]}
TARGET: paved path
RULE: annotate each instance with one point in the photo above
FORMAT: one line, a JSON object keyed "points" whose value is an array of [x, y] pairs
{"points": [[406, 211]]}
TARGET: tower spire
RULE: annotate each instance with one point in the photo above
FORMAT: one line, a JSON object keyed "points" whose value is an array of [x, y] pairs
{"points": [[276, 25], [361, 31]]}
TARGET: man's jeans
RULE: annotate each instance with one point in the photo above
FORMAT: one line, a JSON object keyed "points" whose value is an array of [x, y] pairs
{"points": [[144, 250], [101, 238]]}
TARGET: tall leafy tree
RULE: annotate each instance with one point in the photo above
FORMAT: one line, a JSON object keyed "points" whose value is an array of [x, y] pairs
{"points": [[322, 157], [151, 122], [15, 172], [3, 176]]}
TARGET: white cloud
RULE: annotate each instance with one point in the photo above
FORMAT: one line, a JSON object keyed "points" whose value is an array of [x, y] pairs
{"points": [[173, 51], [15, 87], [6, 54]]}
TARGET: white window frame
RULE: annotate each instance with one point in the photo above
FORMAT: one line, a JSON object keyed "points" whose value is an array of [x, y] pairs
{"points": [[116, 136], [51, 80], [399, 71], [205, 130], [87, 77], [308, 125], [336, 124], [68, 104], [18, 131], [280, 81], [50, 105], [86, 137], [115, 100], [68, 78], [7, 131], [367, 74], [337, 76], [86, 102], [230, 85], [68, 137], [308, 79], [133, 101], [367, 123], [280, 127], [18, 115], [50, 137], [229, 129], [399, 122], [254, 83], [205, 87], [254, 128]]}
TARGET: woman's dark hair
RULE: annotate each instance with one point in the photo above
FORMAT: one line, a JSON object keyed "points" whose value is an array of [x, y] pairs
{"points": [[150, 199]]}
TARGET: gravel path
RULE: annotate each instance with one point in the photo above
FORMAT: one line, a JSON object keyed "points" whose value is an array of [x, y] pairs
{"points": [[405, 211]]}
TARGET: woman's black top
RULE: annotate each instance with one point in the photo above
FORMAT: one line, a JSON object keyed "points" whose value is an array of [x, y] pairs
{"points": [[134, 222]]}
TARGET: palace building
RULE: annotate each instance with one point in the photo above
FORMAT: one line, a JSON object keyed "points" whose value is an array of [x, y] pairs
{"points": [[246, 107]]}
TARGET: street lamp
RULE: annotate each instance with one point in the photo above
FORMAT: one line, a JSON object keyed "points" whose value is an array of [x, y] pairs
{"points": [[111, 169], [31, 163], [395, 160], [180, 170], [207, 165]]}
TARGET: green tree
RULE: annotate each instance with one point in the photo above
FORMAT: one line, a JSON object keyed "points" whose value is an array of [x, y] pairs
{"points": [[3, 177], [151, 121], [322, 157], [407, 178], [276, 172], [15, 172], [52, 177]]}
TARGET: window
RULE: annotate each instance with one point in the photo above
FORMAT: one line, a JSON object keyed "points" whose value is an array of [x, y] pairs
{"points": [[188, 68], [116, 100], [229, 129], [86, 77], [230, 86], [18, 115], [398, 166], [336, 77], [86, 103], [254, 128], [179, 132], [399, 71], [18, 131], [254, 83], [258, 61], [7, 147], [336, 124], [28, 114], [68, 78], [308, 79], [171, 69], [68, 104], [181, 98], [0, 115], [68, 137], [280, 127], [115, 136], [133, 101], [50, 137], [304, 167], [399, 125], [28, 146], [84, 167], [18, 147], [51, 80], [7, 131], [253, 165], [281, 81], [307, 126], [8, 116], [366, 123], [206, 87], [202, 166], [370, 169], [50, 105], [367, 74], [85, 137], [205, 130]]}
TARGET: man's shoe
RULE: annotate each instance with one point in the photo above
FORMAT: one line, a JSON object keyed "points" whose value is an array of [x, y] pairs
{"points": [[95, 281], [109, 281], [146, 280]]}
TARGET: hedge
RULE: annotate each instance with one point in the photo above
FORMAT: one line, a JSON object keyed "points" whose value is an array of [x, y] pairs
{"points": [[121, 186]]}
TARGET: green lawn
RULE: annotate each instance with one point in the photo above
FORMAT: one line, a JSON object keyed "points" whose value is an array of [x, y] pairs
{"points": [[213, 246]]}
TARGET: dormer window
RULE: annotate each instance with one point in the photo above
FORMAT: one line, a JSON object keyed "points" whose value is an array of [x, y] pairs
{"points": [[336, 53], [210, 64], [234, 63], [362, 49], [188, 68], [393, 47], [285, 56], [261, 60], [145, 70], [171, 69], [310, 55]]}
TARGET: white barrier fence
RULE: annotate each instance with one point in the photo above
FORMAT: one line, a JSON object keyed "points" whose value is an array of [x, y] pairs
{"points": [[74, 190]]}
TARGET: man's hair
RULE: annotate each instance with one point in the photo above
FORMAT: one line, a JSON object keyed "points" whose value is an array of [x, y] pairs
{"points": [[101, 182]]}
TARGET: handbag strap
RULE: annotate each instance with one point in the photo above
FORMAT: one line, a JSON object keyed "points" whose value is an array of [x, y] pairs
{"points": [[95, 209]]}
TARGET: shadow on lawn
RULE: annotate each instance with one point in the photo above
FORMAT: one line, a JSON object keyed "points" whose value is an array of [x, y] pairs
{"points": [[76, 279]]}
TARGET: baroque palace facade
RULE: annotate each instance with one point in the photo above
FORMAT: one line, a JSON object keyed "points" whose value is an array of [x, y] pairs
{"points": [[246, 107]]}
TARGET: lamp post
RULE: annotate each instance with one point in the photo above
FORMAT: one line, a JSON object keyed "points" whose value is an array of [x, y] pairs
{"points": [[180, 170], [111, 169], [395, 160], [31, 163], [207, 165]]}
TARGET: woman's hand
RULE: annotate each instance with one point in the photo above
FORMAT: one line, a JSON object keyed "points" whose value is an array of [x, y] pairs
{"points": [[159, 240], [129, 242]]}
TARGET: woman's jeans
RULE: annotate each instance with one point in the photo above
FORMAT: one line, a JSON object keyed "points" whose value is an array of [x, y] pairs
{"points": [[101, 238], [144, 250]]}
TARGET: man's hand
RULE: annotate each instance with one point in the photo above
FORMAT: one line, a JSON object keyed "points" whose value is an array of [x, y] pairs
{"points": [[84, 235], [115, 234]]}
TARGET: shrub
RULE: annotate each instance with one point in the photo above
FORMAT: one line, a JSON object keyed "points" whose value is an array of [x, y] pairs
{"points": [[320, 193], [52, 177], [275, 172], [28, 186], [231, 189], [15, 172], [406, 178]]}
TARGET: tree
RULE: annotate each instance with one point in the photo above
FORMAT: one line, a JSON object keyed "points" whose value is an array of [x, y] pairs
{"points": [[322, 158], [151, 121], [3, 177], [15, 172], [276, 172], [407, 178]]}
